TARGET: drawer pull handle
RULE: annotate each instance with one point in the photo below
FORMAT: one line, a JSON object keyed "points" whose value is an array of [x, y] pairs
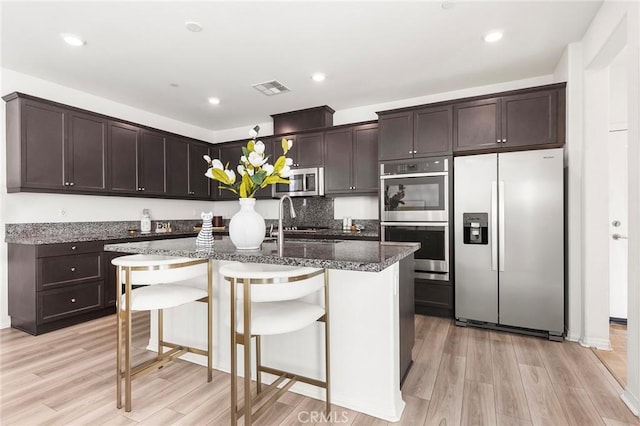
{"points": [[73, 269], [73, 300], [73, 247]]}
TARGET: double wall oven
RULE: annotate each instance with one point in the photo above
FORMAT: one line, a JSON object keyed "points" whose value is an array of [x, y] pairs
{"points": [[414, 207]]}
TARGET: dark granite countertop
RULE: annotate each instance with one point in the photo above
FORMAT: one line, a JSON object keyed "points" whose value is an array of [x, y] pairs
{"points": [[39, 239], [369, 256]]}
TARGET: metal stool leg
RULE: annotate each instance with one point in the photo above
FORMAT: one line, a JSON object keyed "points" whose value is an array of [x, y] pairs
{"points": [[246, 340], [127, 348], [209, 321], [234, 358], [119, 337], [258, 364]]}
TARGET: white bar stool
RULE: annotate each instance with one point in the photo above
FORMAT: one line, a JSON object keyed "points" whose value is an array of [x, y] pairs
{"points": [[268, 297], [165, 282]]}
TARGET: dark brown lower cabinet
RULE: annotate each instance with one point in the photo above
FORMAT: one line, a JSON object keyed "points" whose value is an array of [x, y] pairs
{"points": [[56, 285], [406, 312], [434, 297]]}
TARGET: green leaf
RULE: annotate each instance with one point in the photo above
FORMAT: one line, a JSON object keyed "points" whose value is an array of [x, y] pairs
{"points": [[251, 146], [279, 164], [245, 152], [285, 145], [273, 179], [258, 178], [221, 176], [228, 188]]}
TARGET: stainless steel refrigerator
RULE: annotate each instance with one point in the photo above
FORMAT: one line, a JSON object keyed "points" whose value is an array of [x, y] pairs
{"points": [[509, 240]]}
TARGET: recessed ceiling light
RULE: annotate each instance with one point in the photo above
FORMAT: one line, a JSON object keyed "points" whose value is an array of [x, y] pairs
{"points": [[493, 36], [214, 101], [174, 85], [447, 4], [192, 26], [73, 40], [318, 76]]}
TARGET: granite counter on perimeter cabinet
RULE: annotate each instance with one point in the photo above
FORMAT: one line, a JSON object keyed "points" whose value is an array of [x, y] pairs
{"points": [[371, 317]]}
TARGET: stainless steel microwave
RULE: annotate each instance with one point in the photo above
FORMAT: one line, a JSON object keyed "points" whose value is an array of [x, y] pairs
{"points": [[302, 182]]}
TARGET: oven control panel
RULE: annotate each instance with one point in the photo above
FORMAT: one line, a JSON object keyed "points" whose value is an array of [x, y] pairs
{"points": [[430, 165]]}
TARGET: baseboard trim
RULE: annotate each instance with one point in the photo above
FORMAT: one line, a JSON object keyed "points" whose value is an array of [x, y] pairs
{"points": [[602, 344], [631, 401]]}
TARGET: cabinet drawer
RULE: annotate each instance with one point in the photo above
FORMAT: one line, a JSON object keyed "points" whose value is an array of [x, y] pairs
{"points": [[73, 269], [69, 301], [434, 294], [62, 249]]}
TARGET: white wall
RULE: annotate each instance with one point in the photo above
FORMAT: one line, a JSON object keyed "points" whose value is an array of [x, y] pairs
{"points": [[616, 24]]}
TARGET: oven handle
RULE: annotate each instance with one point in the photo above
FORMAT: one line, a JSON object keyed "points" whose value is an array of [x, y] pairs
{"points": [[413, 175], [441, 224]]}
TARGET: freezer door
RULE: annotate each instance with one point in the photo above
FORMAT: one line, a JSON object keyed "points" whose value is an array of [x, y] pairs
{"points": [[476, 281], [531, 277]]}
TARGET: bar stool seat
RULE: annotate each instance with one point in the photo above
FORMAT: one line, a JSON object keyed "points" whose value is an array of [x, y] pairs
{"points": [[165, 282], [268, 298]]}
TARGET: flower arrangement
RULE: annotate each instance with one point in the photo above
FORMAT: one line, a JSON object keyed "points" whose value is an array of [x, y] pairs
{"points": [[254, 170]]}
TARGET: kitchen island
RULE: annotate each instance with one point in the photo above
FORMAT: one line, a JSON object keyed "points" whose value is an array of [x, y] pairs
{"points": [[371, 322]]}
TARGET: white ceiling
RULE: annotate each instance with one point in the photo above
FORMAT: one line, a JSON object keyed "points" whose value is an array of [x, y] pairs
{"points": [[372, 52]]}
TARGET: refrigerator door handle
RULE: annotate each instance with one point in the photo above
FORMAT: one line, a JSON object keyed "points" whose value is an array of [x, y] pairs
{"points": [[494, 226], [501, 235]]}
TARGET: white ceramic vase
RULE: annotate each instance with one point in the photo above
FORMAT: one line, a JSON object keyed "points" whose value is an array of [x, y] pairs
{"points": [[247, 228]]}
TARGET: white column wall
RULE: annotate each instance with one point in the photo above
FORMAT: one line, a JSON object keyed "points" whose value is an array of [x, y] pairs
{"points": [[632, 393]]}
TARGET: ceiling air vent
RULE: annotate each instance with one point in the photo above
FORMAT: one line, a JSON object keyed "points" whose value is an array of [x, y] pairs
{"points": [[271, 88]]}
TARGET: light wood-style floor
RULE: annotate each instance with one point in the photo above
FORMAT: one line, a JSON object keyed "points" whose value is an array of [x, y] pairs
{"points": [[460, 376], [616, 359]]}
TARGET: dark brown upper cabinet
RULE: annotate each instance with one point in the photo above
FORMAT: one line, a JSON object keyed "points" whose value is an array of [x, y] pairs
{"points": [[351, 159], [415, 133], [532, 119], [228, 153], [124, 157], [178, 167], [152, 179], [137, 158], [50, 149], [200, 186], [86, 152], [307, 150]]}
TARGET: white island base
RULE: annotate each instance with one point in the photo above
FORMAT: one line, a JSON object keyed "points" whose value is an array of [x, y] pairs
{"points": [[364, 332]]}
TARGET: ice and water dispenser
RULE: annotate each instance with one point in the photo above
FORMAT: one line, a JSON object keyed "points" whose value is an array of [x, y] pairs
{"points": [[475, 228]]}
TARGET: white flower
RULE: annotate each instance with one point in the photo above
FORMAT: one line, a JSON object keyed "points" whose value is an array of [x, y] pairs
{"points": [[217, 164], [288, 162], [209, 173], [231, 175], [241, 170], [254, 132], [243, 159], [267, 168], [207, 158], [285, 172], [256, 159], [289, 144], [250, 171], [258, 147]]}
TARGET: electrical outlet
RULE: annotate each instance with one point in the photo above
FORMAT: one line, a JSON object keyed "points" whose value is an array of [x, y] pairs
{"points": [[62, 212]]}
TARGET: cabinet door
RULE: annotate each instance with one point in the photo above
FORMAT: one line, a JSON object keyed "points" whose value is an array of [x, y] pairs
{"points": [[200, 186], [230, 153], [123, 157], [43, 145], [476, 125], [338, 163], [178, 167], [310, 150], [365, 159], [530, 119], [87, 152], [152, 163], [396, 136], [433, 131]]}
